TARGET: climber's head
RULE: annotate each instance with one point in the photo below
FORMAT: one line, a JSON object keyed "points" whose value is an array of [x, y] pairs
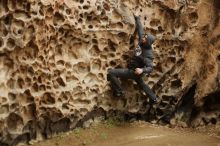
{"points": [[148, 39], [144, 40]]}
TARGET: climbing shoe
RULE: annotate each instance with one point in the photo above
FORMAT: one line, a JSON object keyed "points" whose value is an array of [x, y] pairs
{"points": [[154, 101], [118, 94]]}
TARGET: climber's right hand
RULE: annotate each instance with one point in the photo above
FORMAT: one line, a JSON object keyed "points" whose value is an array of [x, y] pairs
{"points": [[136, 17]]}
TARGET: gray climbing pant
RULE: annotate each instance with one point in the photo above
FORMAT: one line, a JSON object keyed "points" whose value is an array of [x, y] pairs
{"points": [[114, 74]]}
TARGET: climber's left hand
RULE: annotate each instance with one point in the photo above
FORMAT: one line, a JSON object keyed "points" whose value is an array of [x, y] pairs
{"points": [[138, 71]]}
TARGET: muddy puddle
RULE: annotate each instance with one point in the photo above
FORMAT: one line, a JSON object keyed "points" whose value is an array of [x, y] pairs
{"points": [[135, 134]]}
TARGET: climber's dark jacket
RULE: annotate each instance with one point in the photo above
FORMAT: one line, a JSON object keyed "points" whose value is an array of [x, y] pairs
{"points": [[143, 57]]}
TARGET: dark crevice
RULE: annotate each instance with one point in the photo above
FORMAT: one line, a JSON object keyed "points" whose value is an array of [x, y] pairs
{"points": [[187, 99], [218, 57], [25, 138], [213, 121], [212, 102], [3, 144], [186, 105]]}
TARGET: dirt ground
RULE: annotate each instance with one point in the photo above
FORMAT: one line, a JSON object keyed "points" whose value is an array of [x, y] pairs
{"points": [[135, 134]]}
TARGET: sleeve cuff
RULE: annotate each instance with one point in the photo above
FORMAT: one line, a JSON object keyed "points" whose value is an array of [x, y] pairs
{"points": [[147, 70]]}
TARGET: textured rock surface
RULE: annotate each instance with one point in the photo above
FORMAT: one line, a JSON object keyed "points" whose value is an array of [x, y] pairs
{"points": [[55, 55]]}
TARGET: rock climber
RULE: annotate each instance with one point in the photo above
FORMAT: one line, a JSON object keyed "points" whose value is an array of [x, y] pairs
{"points": [[138, 66]]}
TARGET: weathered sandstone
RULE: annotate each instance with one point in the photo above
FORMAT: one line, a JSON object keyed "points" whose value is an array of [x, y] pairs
{"points": [[55, 54]]}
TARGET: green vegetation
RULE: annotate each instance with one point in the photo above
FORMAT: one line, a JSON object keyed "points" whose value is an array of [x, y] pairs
{"points": [[104, 135], [113, 121], [77, 131]]}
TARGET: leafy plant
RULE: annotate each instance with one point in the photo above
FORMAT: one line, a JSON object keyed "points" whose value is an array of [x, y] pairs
{"points": [[113, 121], [77, 131]]}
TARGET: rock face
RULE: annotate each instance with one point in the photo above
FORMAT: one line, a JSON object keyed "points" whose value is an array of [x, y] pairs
{"points": [[55, 55]]}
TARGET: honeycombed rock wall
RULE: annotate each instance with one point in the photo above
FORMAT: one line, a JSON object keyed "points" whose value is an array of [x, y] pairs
{"points": [[55, 54]]}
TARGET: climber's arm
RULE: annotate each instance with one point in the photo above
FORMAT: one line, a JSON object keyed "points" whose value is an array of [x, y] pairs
{"points": [[139, 27], [148, 65]]}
